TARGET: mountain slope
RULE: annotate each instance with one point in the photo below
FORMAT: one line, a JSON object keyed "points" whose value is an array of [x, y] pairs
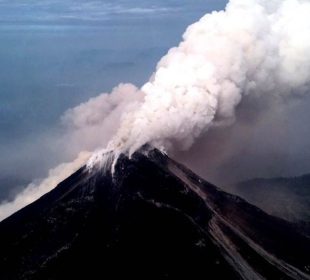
{"points": [[153, 219], [287, 198]]}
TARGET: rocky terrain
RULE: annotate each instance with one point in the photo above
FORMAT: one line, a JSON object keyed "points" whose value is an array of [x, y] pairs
{"points": [[152, 219]]}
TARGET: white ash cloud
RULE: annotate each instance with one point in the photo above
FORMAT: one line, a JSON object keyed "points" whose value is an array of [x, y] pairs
{"points": [[254, 48], [91, 125], [259, 48]]}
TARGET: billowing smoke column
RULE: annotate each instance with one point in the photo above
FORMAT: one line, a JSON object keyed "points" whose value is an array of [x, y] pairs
{"points": [[254, 47], [257, 48]]}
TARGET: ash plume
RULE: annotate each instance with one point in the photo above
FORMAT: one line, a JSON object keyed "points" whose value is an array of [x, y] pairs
{"points": [[255, 50]]}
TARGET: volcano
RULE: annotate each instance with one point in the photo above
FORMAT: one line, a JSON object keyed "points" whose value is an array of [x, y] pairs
{"points": [[151, 219]]}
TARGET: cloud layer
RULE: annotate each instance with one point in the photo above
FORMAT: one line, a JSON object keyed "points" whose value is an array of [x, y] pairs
{"points": [[75, 11]]}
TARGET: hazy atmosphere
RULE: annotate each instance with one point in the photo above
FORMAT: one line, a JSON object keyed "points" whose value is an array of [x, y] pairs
{"points": [[55, 55]]}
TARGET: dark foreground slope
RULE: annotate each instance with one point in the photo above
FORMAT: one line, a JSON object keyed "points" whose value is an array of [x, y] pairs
{"points": [[153, 219], [287, 198]]}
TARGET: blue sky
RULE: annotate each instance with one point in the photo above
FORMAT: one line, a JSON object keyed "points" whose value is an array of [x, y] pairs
{"points": [[56, 54]]}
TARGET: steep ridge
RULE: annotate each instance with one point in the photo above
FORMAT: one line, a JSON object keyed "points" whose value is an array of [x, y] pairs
{"points": [[152, 219]]}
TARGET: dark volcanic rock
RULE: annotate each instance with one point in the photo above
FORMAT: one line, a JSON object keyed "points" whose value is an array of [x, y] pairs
{"points": [[153, 219]]}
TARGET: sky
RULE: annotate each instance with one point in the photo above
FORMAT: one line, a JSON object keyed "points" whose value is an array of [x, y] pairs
{"points": [[57, 54]]}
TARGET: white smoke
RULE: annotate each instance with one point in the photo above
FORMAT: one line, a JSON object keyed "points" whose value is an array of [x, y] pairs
{"points": [[91, 125], [88, 126], [254, 48], [35, 190]]}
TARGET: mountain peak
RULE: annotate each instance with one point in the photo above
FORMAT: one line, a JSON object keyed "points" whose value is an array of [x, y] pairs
{"points": [[152, 218]]}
